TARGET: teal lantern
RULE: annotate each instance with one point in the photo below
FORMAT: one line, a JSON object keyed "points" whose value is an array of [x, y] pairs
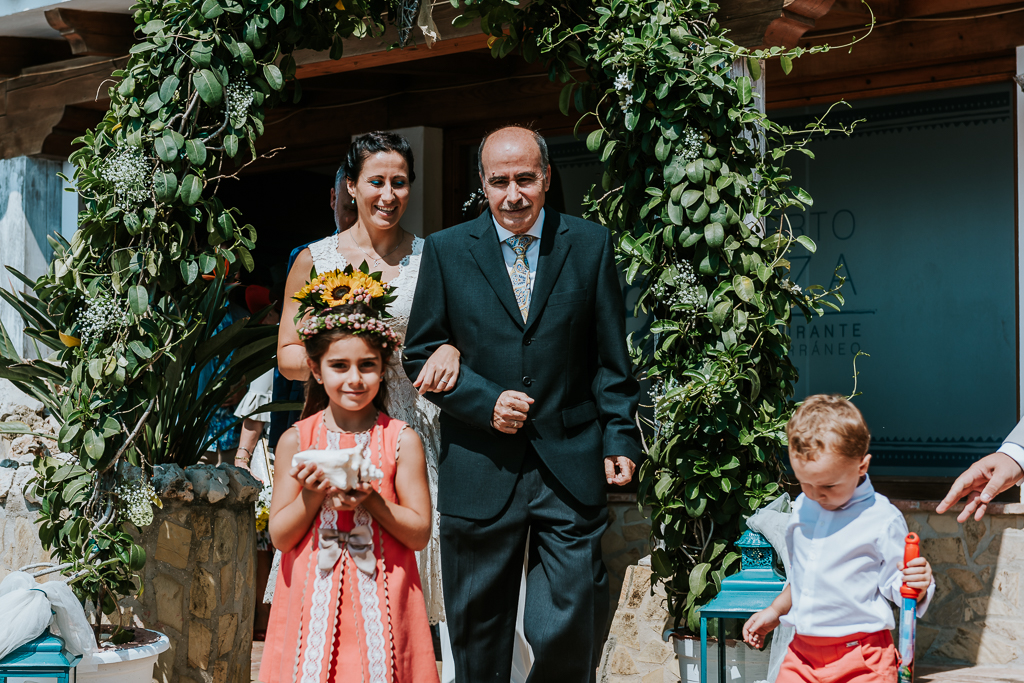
{"points": [[44, 657], [749, 591]]}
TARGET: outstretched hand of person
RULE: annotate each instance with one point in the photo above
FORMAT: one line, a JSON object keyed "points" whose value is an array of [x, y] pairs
{"points": [[982, 482]]}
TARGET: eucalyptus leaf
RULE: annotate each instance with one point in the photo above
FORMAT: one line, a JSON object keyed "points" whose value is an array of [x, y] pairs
{"points": [[273, 76], [196, 152], [191, 189], [208, 86], [138, 299]]}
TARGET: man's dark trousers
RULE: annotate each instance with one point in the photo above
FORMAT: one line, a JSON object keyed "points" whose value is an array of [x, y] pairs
{"points": [[565, 616]]}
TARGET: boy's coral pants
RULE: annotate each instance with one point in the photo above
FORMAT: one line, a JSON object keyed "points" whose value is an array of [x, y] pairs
{"points": [[857, 658]]}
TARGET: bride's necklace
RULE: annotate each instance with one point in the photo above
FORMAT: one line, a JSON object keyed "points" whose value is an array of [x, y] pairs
{"points": [[378, 259]]}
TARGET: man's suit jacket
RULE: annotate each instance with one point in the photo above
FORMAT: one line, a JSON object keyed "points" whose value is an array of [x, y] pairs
{"points": [[570, 357]]}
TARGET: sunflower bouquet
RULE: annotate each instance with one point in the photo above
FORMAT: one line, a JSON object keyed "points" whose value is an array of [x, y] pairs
{"points": [[339, 287], [326, 299]]}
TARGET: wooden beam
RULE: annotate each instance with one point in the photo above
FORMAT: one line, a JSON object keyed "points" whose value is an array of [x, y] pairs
{"points": [[931, 8], [783, 95], [323, 65], [73, 123], [17, 53], [770, 22], [908, 45], [35, 103], [94, 33]]}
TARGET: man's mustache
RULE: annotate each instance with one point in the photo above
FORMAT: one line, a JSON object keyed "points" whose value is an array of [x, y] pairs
{"points": [[517, 206]]}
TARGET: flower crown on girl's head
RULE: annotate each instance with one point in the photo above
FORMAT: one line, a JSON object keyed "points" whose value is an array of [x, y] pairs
{"points": [[324, 295]]}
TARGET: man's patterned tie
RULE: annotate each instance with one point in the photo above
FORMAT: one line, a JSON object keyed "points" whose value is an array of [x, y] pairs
{"points": [[521, 271]]}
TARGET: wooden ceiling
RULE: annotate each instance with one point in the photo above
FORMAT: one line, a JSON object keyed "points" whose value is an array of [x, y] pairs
{"points": [[54, 88], [915, 45]]}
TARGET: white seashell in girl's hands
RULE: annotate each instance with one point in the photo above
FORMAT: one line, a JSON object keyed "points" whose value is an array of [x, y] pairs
{"points": [[344, 467]]}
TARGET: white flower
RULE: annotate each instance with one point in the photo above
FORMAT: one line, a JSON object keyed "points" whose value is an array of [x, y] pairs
{"points": [[103, 313], [136, 497], [238, 100], [622, 82], [690, 145], [626, 103], [127, 169], [679, 290]]}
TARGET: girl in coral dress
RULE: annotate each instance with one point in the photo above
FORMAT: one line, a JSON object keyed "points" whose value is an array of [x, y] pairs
{"points": [[348, 605]]}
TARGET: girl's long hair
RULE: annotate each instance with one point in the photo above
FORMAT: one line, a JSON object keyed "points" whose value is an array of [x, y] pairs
{"points": [[316, 347]]}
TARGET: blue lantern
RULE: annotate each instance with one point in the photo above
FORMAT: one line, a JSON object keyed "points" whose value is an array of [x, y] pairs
{"points": [[749, 591], [44, 657]]}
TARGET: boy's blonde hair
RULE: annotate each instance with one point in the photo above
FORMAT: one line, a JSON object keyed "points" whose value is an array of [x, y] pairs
{"points": [[827, 422]]}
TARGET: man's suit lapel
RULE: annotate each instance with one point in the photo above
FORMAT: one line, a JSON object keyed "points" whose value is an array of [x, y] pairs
{"points": [[554, 247], [487, 251]]}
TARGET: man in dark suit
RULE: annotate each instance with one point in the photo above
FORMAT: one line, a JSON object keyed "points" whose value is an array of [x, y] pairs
{"points": [[541, 417]]}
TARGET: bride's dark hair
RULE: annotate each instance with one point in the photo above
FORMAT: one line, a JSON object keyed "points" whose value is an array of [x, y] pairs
{"points": [[376, 142], [316, 347]]}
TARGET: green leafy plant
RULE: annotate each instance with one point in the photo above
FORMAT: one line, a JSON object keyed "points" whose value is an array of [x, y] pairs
{"points": [[132, 305], [129, 313]]}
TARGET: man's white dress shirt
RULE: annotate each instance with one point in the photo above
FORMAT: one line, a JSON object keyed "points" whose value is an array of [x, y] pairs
{"points": [[1014, 451], [844, 565], [532, 251]]}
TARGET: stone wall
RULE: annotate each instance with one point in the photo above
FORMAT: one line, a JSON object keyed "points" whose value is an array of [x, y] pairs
{"points": [[19, 537], [977, 616], [627, 539], [635, 651], [199, 574]]}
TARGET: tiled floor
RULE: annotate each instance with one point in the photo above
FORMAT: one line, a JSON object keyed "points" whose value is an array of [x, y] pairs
{"points": [[970, 674], [925, 674], [257, 653]]}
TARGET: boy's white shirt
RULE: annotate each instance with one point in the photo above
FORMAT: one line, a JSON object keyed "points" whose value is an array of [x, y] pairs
{"points": [[844, 565]]}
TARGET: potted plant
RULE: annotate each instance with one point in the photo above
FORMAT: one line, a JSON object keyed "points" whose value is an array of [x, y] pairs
{"points": [[114, 428]]}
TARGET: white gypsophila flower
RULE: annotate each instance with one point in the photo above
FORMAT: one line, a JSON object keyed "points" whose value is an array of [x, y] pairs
{"points": [[690, 145], [103, 314], [626, 103], [127, 169], [239, 98], [622, 82], [659, 392], [136, 496], [679, 289]]}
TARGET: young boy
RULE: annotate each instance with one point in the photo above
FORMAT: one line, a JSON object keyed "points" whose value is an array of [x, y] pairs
{"points": [[845, 545]]}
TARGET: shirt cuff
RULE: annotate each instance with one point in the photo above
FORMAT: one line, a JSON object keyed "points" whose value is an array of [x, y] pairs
{"points": [[925, 600], [1014, 451]]}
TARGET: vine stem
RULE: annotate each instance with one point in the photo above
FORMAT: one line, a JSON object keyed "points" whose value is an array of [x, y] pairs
{"points": [[132, 436]]}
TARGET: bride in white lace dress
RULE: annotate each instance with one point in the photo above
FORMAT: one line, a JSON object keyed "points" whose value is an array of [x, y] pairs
{"points": [[380, 192]]}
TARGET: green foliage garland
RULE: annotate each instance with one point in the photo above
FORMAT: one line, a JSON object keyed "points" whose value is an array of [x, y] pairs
{"points": [[692, 170]]}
